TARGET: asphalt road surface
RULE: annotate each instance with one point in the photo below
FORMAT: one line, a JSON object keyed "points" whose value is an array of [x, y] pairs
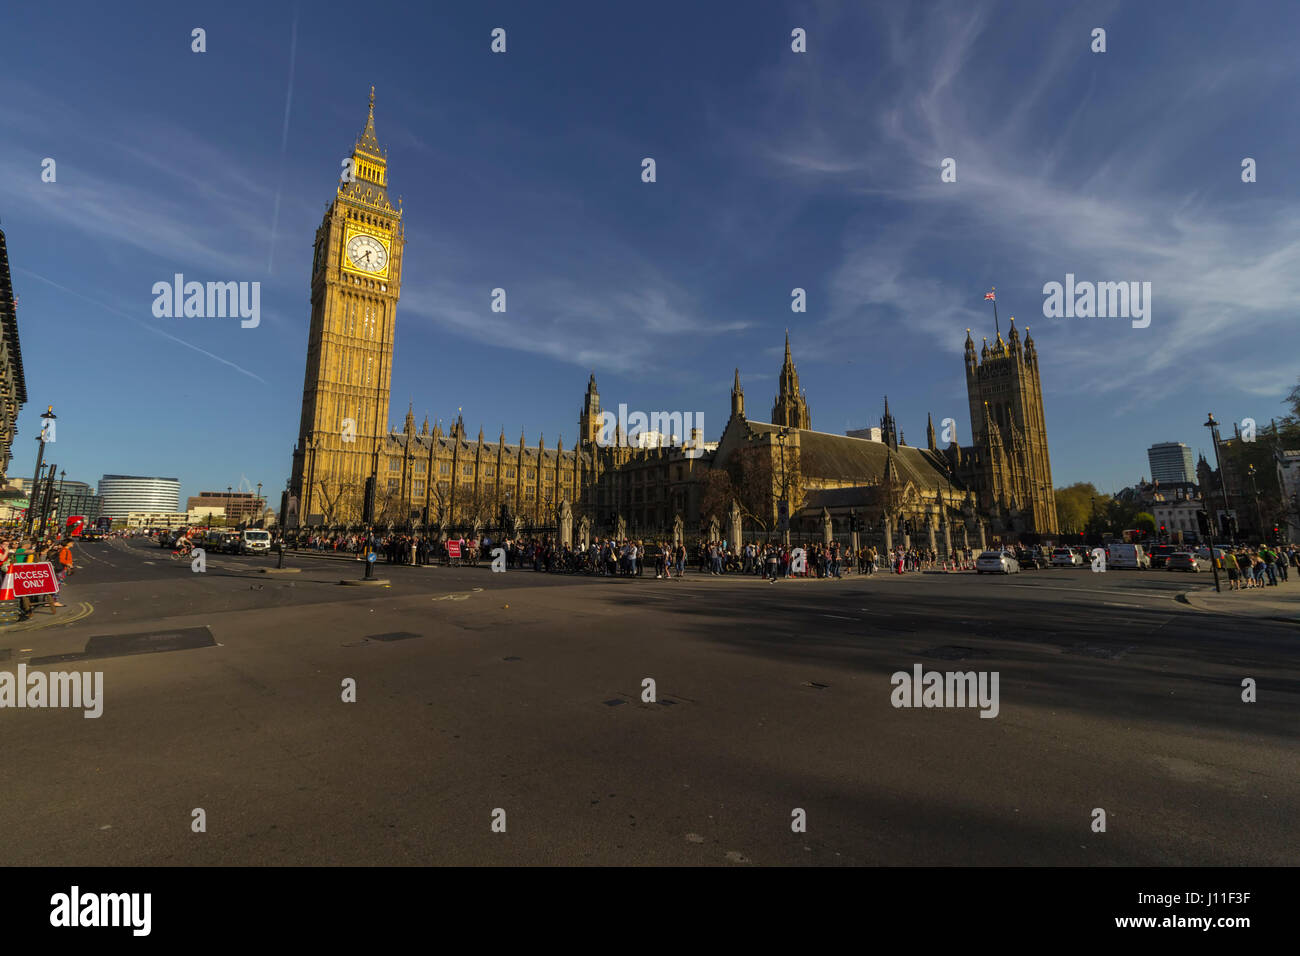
{"points": [[478, 693]]}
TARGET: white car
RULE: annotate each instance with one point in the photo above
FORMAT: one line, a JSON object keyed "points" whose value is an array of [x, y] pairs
{"points": [[996, 562], [1065, 558]]}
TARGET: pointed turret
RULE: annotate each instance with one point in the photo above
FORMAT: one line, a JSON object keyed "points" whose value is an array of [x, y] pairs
{"points": [[589, 418], [424, 429], [888, 431], [791, 407], [737, 398], [367, 140], [409, 426], [929, 432], [366, 179]]}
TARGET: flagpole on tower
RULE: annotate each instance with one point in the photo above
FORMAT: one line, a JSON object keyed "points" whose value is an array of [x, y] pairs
{"points": [[992, 294]]}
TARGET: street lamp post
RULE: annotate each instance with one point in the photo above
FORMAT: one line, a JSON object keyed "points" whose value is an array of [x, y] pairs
{"points": [[1213, 426], [58, 504], [1254, 487], [47, 417], [259, 505], [781, 436], [47, 498]]}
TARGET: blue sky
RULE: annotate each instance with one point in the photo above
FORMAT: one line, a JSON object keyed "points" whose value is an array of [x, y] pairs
{"points": [[775, 170]]}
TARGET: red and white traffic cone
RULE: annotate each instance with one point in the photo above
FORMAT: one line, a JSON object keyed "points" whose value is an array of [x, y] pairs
{"points": [[7, 589]]}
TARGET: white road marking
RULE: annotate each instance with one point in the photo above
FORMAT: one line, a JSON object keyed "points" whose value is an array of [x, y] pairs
{"points": [[1048, 587]]}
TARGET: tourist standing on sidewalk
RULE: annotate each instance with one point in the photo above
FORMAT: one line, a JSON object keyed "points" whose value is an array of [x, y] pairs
{"points": [[65, 568]]}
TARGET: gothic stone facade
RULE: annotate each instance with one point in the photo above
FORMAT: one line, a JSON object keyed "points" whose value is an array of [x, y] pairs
{"points": [[427, 477]]}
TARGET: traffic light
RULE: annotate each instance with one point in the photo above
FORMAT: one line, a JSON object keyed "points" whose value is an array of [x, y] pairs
{"points": [[1277, 535], [1203, 523]]}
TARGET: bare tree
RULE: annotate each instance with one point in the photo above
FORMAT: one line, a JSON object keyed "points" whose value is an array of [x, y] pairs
{"points": [[339, 500], [716, 494]]}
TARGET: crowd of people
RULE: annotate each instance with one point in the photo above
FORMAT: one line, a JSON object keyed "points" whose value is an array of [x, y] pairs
{"points": [[25, 550], [631, 557], [1251, 568]]}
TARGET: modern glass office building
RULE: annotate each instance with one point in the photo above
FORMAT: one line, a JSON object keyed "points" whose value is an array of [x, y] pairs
{"points": [[1171, 462], [122, 494]]}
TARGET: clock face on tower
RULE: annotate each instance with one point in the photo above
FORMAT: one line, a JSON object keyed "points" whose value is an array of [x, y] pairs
{"points": [[365, 253]]}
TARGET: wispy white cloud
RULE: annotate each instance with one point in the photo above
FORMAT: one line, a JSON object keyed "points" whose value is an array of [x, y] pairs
{"points": [[1038, 195], [144, 325]]}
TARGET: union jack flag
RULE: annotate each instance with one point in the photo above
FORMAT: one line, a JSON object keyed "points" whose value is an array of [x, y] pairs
{"points": [[990, 295]]}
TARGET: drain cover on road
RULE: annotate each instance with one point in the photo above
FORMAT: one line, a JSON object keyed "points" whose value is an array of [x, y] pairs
{"points": [[813, 683], [394, 636], [612, 703], [125, 645]]}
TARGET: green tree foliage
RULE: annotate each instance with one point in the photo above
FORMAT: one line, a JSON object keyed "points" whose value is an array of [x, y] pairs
{"points": [[1074, 505]]}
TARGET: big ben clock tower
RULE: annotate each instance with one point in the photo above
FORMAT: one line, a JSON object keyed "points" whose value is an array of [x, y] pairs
{"points": [[355, 283]]}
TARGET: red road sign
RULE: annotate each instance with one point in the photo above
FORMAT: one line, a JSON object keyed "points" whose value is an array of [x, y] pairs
{"points": [[33, 579], [453, 549]]}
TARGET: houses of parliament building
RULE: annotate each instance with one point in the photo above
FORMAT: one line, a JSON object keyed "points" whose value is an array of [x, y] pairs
{"points": [[349, 465]]}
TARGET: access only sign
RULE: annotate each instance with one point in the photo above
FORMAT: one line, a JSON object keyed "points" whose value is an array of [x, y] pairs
{"points": [[33, 579]]}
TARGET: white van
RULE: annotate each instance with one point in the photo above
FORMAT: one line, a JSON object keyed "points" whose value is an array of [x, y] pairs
{"points": [[1132, 557], [255, 541]]}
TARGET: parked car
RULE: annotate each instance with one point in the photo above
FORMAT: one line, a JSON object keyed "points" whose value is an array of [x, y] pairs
{"points": [[1132, 557], [255, 541], [1181, 561], [1065, 558], [996, 562], [1161, 553], [1030, 560]]}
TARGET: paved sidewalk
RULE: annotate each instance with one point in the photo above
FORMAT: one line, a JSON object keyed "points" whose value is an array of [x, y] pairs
{"points": [[1281, 603]]}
